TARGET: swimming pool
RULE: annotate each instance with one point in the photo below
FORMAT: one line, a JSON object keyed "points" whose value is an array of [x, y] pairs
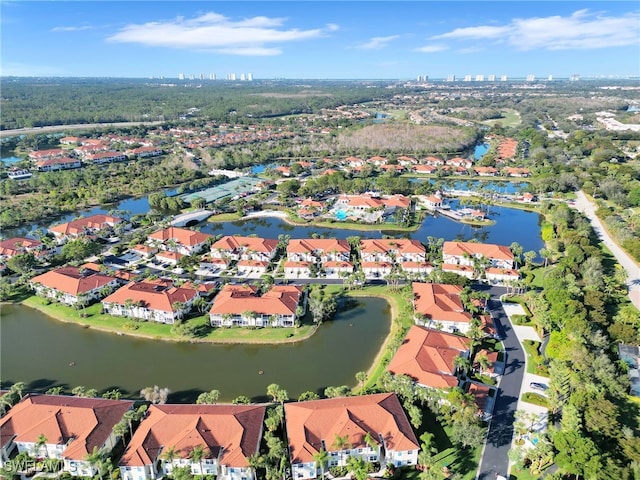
{"points": [[341, 215]]}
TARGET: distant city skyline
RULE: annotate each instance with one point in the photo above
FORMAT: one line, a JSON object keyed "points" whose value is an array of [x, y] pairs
{"points": [[321, 40]]}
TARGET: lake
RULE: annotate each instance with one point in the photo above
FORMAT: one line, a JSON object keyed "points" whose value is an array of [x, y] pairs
{"points": [[39, 350], [511, 225]]}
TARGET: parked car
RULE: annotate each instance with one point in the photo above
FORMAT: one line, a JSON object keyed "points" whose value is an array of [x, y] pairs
{"points": [[539, 386]]}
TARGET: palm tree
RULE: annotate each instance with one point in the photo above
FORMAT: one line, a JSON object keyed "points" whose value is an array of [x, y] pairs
{"points": [[358, 467], [169, 455], [95, 460], [462, 363], [321, 458], [120, 430], [41, 442], [341, 443], [483, 361], [197, 454]]}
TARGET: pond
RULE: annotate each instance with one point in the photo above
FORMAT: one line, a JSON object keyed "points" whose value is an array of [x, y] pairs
{"points": [[43, 352], [511, 225]]}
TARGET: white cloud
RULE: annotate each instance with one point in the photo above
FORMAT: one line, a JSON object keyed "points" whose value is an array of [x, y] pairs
{"points": [[377, 43], [580, 30], [217, 33], [72, 29], [432, 48]]}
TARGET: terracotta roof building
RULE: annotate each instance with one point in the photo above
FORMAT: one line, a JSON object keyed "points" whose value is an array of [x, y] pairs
{"points": [[230, 434], [244, 248], [426, 355], [157, 301], [69, 284], [72, 427], [463, 253], [181, 240], [398, 250], [440, 305], [375, 428], [318, 250], [11, 247], [85, 226], [241, 305]]}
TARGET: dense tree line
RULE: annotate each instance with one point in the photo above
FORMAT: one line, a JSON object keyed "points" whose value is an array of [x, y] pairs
{"points": [[583, 308], [41, 102]]}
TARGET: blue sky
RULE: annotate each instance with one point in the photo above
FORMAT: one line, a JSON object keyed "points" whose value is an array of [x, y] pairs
{"points": [[329, 39]]}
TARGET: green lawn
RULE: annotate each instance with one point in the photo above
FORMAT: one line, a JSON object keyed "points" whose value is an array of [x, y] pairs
{"points": [[510, 118], [535, 361], [160, 331], [454, 458], [535, 398]]}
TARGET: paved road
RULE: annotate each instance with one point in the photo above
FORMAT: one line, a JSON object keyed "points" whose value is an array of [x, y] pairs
{"points": [[583, 205], [64, 128], [495, 459]]}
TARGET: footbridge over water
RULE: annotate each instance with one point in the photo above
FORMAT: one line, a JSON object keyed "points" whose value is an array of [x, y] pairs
{"points": [[191, 218]]}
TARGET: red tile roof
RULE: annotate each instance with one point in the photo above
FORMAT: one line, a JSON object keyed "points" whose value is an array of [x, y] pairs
{"points": [[426, 355], [489, 250], [311, 423], [82, 225], [72, 280], [256, 244], [14, 246], [309, 245], [183, 236], [156, 295], [398, 245], [439, 302], [232, 431], [236, 299], [83, 423]]}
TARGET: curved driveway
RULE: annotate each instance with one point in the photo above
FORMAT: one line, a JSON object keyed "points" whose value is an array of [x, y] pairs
{"points": [[495, 458], [583, 205]]}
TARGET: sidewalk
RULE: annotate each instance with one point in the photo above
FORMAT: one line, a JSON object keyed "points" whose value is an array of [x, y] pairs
{"points": [[527, 333], [583, 205]]}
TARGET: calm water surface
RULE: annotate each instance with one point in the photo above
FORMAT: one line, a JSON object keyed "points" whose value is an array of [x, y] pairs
{"points": [[39, 350]]}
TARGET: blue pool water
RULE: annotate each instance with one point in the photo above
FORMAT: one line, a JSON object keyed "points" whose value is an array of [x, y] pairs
{"points": [[480, 150], [341, 215]]}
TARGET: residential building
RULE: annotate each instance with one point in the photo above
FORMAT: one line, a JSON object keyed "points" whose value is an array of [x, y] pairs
{"points": [[144, 152], [297, 269], [47, 154], [152, 300], [244, 248], [105, 157], [464, 253], [440, 305], [373, 427], [70, 427], [166, 438], [242, 305], [398, 250], [318, 250], [11, 247], [427, 356], [181, 240], [92, 225], [72, 284], [53, 164]]}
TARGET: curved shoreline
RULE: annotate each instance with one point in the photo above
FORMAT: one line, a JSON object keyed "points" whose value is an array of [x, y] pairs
{"points": [[284, 216], [84, 323], [393, 328]]}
